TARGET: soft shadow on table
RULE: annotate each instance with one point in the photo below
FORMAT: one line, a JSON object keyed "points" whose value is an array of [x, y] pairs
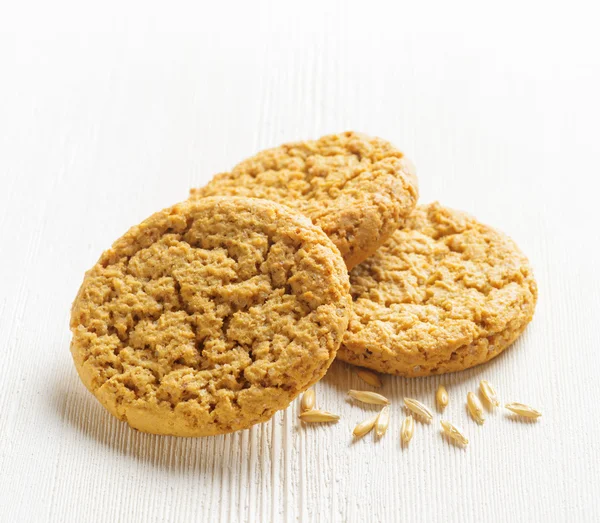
{"points": [[212, 456], [81, 412], [342, 376]]}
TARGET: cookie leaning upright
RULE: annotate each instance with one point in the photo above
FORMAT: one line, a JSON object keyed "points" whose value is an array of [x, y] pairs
{"points": [[358, 189], [444, 294], [210, 316]]}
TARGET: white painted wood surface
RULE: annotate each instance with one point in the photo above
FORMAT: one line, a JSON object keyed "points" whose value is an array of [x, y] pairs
{"points": [[110, 111]]}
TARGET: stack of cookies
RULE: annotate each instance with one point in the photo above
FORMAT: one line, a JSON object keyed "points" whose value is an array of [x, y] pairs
{"points": [[213, 314]]}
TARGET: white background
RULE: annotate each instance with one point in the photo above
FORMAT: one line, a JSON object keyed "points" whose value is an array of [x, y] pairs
{"points": [[109, 112]]}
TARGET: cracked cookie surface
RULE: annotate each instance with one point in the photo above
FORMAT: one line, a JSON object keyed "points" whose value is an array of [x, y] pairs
{"points": [[444, 294], [357, 188], [210, 316]]}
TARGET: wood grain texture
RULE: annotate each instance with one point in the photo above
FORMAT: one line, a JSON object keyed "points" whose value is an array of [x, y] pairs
{"points": [[110, 112]]}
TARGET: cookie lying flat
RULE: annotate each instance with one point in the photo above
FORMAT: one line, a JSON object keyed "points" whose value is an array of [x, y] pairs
{"points": [[210, 316], [444, 294], [358, 189]]}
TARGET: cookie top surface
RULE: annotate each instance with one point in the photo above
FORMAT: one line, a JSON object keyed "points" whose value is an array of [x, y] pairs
{"points": [[358, 189], [445, 293], [210, 316]]}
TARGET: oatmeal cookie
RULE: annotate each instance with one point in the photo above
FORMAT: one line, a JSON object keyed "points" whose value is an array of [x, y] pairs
{"points": [[358, 189], [210, 316], [444, 294]]}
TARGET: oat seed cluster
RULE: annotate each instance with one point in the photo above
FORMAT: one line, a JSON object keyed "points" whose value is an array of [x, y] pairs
{"points": [[211, 315]]}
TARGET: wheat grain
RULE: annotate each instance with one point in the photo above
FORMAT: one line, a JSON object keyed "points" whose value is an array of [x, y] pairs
{"points": [[383, 420], [408, 429], [308, 400], [454, 433], [365, 426], [418, 408], [488, 392], [475, 408], [366, 396], [369, 377], [318, 416], [441, 397], [523, 410]]}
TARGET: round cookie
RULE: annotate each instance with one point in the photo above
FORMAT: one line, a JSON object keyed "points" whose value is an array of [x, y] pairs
{"points": [[444, 294], [210, 316], [358, 189]]}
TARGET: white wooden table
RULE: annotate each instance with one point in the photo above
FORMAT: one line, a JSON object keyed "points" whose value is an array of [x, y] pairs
{"points": [[110, 111]]}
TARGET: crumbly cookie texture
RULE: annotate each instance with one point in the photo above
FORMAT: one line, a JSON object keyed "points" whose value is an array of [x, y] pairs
{"points": [[444, 294], [358, 189], [210, 316]]}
